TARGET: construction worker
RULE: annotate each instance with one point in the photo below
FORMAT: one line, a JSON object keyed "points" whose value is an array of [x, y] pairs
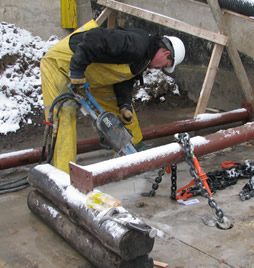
{"points": [[109, 61]]}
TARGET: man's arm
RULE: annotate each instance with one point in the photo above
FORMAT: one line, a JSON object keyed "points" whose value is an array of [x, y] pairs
{"points": [[123, 92]]}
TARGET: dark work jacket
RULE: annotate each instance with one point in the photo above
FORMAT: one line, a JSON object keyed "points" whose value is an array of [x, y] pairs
{"points": [[135, 47]]}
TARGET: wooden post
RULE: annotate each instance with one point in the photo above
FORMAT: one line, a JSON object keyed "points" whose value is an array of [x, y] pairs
{"points": [[108, 14], [103, 16], [111, 20], [69, 14], [209, 79]]}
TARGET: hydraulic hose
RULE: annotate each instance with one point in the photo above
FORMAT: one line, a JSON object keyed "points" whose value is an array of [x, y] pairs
{"points": [[12, 186], [51, 147], [50, 133], [51, 129], [12, 181], [240, 6]]}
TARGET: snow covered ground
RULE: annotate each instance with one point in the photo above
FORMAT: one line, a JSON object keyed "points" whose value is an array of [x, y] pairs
{"points": [[20, 83]]}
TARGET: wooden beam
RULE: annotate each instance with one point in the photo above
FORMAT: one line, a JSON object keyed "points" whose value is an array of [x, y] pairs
{"points": [[111, 20], [69, 14], [103, 16], [233, 54], [165, 21], [209, 79]]}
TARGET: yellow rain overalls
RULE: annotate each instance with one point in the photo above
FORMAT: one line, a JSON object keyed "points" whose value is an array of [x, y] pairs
{"points": [[100, 77]]}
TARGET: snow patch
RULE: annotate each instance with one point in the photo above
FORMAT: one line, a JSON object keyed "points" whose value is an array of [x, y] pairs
{"points": [[20, 82]]}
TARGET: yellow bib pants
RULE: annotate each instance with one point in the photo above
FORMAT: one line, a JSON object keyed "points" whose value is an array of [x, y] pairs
{"points": [[100, 77]]}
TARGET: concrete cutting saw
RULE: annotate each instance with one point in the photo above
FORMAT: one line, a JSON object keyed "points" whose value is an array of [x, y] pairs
{"points": [[109, 127], [112, 132]]}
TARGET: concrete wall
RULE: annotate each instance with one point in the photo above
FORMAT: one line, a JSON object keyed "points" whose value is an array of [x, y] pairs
{"points": [[41, 17], [199, 15]]}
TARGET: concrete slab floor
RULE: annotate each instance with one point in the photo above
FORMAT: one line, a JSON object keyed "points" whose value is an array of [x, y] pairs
{"points": [[186, 240]]}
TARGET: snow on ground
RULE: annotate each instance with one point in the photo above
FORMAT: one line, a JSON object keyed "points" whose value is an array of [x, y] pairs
{"points": [[20, 83]]}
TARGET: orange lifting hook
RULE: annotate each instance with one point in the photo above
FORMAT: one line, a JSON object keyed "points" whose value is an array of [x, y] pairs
{"points": [[184, 192]]}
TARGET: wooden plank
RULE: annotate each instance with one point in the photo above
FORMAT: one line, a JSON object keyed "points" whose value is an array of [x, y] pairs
{"points": [[160, 264], [111, 20], [209, 79], [165, 21], [103, 16], [69, 14], [233, 54]]}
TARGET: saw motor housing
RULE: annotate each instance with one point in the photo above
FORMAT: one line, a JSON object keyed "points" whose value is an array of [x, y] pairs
{"points": [[113, 130]]}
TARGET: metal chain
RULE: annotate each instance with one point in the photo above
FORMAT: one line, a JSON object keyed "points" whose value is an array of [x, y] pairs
{"points": [[157, 180], [220, 179], [184, 139], [173, 181], [248, 190]]}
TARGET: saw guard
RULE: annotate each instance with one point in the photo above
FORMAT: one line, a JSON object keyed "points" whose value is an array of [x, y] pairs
{"points": [[110, 127]]}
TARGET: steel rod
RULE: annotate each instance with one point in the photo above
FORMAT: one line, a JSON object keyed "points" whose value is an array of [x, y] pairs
{"points": [[130, 165]]}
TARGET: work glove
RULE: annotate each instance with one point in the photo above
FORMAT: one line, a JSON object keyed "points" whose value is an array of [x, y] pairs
{"points": [[78, 81], [126, 115]]}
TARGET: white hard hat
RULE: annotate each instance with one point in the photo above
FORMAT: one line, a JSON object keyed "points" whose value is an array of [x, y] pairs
{"points": [[177, 49]]}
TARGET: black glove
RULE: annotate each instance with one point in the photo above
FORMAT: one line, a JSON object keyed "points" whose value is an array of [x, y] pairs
{"points": [[77, 80], [126, 115]]}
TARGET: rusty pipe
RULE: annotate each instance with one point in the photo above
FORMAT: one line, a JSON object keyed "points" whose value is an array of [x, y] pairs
{"points": [[130, 165], [200, 122], [30, 156]]}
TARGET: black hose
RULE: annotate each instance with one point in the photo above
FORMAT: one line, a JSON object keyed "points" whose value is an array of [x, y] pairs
{"points": [[62, 98], [12, 186], [47, 134], [51, 150], [10, 190], [239, 6], [15, 186], [12, 181]]}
